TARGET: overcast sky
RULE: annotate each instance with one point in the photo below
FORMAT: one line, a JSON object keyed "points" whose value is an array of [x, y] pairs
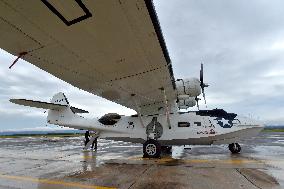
{"points": [[241, 44]]}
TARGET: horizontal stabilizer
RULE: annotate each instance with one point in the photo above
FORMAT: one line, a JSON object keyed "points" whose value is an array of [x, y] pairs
{"points": [[77, 110], [45, 105]]}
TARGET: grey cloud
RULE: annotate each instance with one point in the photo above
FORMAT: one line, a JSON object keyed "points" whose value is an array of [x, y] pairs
{"points": [[240, 42], [27, 81]]}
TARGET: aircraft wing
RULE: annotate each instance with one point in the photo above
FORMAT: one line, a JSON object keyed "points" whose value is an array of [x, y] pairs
{"points": [[111, 48]]}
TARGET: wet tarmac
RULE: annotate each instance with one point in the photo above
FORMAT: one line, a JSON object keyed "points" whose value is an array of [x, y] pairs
{"points": [[60, 163]]}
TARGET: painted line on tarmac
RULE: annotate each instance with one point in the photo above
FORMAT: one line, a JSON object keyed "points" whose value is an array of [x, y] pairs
{"points": [[225, 161], [89, 157], [53, 182], [233, 161]]}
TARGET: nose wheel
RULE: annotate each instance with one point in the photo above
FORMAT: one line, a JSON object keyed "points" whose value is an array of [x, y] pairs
{"points": [[235, 148], [151, 149]]}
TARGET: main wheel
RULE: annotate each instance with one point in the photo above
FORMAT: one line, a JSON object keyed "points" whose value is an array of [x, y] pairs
{"points": [[151, 149], [235, 148]]}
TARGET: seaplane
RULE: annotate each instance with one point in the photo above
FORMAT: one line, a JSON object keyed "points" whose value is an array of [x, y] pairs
{"points": [[116, 50]]}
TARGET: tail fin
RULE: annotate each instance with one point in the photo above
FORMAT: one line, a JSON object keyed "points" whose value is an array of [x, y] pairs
{"points": [[58, 102], [60, 98]]}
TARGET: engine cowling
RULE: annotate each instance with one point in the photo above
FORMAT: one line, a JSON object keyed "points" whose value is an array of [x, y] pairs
{"points": [[190, 87], [187, 90]]}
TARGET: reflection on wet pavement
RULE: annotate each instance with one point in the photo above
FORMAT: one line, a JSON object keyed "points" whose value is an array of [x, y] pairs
{"points": [[47, 162]]}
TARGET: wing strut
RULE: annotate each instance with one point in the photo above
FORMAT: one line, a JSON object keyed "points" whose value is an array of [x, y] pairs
{"points": [[166, 107], [138, 111]]}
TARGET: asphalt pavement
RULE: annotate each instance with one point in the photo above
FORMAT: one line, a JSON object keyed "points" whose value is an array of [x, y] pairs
{"points": [[40, 162]]}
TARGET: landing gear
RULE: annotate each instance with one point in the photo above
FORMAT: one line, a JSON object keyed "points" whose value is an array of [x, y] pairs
{"points": [[235, 148], [151, 149]]}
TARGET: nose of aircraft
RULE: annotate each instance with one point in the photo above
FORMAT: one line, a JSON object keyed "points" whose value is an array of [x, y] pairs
{"points": [[249, 122]]}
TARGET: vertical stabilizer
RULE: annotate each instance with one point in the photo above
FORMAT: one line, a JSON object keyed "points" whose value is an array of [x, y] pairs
{"points": [[57, 116], [60, 98]]}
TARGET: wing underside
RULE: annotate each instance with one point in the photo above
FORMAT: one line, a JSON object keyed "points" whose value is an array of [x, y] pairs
{"points": [[113, 49]]}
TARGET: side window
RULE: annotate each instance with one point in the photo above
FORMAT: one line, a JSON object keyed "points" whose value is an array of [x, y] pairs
{"points": [[183, 124], [197, 123]]}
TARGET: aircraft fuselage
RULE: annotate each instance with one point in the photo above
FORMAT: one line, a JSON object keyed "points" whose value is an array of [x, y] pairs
{"points": [[185, 128]]}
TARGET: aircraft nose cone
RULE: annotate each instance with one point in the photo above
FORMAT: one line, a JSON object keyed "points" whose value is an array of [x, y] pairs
{"points": [[249, 122]]}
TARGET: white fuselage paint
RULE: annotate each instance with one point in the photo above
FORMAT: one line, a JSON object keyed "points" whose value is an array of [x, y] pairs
{"points": [[129, 129]]}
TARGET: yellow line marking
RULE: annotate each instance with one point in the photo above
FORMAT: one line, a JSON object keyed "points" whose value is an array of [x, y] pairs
{"points": [[198, 161], [225, 161], [89, 157], [233, 161], [53, 182]]}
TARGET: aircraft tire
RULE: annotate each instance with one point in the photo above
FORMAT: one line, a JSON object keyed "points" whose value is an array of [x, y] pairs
{"points": [[152, 149], [235, 148]]}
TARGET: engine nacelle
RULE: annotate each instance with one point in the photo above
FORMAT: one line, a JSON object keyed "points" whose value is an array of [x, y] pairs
{"points": [[184, 103], [190, 87]]}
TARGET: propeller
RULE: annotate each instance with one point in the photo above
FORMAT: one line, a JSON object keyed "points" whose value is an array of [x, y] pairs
{"points": [[202, 84]]}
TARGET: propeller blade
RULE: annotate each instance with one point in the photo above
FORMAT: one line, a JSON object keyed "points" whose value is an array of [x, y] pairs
{"points": [[204, 98], [201, 74], [203, 93], [197, 104], [202, 84]]}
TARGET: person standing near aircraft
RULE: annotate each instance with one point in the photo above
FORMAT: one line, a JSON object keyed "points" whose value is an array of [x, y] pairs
{"points": [[95, 140], [87, 139], [95, 143]]}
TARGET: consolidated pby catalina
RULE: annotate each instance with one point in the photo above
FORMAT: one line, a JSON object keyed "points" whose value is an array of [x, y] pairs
{"points": [[115, 49]]}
